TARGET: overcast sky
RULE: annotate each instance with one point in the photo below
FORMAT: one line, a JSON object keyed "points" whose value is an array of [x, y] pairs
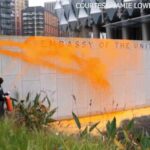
{"points": [[38, 2]]}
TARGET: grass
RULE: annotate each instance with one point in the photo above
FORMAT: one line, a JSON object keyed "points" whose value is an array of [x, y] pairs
{"points": [[27, 129], [20, 138], [14, 137]]}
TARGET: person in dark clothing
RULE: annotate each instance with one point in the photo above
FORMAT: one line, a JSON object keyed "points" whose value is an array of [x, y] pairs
{"points": [[2, 98]]}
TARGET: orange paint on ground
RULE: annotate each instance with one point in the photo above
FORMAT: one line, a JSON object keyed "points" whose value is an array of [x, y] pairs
{"points": [[69, 126]]}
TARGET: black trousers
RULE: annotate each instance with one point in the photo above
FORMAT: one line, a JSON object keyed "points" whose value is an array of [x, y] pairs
{"points": [[2, 111]]}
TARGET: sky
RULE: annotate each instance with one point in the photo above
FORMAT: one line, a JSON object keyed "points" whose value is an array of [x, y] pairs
{"points": [[38, 2]]}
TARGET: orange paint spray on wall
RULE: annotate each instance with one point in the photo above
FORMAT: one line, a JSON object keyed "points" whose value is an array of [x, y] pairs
{"points": [[93, 60]]}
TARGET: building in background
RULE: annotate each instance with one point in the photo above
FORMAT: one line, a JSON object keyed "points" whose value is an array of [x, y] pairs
{"points": [[27, 3], [50, 6], [38, 21], [7, 15], [19, 6], [107, 22]]}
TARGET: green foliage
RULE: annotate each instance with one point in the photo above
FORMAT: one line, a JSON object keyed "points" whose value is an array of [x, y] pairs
{"points": [[145, 143], [76, 119], [87, 130], [134, 138], [129, 139], [92, 127], [20, 138], [111, 129], [33, 113], [130, 125]]}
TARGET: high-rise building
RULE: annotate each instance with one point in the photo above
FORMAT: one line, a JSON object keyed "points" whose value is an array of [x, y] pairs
{"points": [[26, 3], [38, 21], [7, 16], [50, 6], [19, 6]]}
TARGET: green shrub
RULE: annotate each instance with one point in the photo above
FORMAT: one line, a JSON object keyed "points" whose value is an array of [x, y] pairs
{"points": [[33, 113], [87, 130], [111, 129], [123, 138]]}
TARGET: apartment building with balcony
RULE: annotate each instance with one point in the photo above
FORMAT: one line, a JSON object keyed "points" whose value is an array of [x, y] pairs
{"points": [[19, 6], [7, 15], [39, 22]]}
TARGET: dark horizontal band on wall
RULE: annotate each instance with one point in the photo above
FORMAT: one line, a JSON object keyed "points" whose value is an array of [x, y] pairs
{"points": [[129, 22]]}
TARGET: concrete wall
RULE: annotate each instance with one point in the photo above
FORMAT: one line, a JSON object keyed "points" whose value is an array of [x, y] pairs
{"points": [[130, 88]]}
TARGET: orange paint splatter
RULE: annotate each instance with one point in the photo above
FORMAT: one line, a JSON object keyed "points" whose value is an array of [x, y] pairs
{"points": [[93, 60]]}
